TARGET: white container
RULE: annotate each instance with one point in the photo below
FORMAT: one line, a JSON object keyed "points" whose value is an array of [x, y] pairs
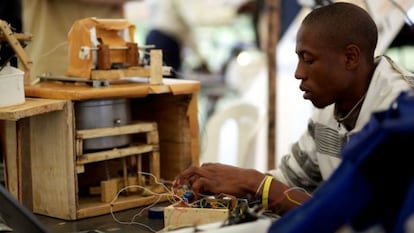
{"points": [[11, 86]]}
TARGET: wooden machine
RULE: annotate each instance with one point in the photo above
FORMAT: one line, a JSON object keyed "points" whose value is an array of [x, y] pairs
{"points": [[103, 51]]}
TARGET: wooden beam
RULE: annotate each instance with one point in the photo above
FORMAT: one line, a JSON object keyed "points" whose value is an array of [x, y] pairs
{"points": [[18, 49], [273, 11]]}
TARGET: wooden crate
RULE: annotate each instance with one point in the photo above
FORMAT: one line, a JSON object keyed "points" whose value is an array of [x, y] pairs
{"points": [[55, 167], [179, 215]]}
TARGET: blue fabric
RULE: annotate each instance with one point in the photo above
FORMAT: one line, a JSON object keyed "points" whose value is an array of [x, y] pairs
{"points": [[371, 183], [407, 210]]}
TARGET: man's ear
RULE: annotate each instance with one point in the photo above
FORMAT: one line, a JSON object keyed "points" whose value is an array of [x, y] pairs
{"points": [[352, 56]]}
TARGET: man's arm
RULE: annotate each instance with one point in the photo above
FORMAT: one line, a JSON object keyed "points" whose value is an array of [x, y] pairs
{"points": [[220, 178]]}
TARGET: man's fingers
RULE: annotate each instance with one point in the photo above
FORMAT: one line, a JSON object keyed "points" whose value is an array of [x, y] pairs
{"points": [[185, 176], [200, 179], [203, 185], [188, 172]]}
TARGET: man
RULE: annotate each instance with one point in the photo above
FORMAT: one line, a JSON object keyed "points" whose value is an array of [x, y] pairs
{"points": [[345, 83]]}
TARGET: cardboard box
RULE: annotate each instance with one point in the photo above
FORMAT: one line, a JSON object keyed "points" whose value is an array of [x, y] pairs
{"points": [[179, 215], [11, 86]]}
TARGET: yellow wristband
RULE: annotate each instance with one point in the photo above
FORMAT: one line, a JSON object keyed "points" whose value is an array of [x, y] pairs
{"points": [[265, 193]]}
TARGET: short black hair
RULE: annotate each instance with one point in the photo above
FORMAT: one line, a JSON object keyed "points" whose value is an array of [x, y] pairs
{"points": [[345, 23]]}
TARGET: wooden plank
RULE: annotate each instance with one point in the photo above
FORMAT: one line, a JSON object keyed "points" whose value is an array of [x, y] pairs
{"points": [[18, 160], [31, 107], [116, 74], [194, 129], [115, 153], [19, 36], [178, 215], [94, 208], [10, 157], [53, 168], [133, 72], [156, 66], [154, 164], [139, 170], [109, 189], [125, 173], [76, 91], [133, 184], [273, 32], [152, 137], [78, 147], [80, 168], [141, 127], [24, 163], [18, 49]]}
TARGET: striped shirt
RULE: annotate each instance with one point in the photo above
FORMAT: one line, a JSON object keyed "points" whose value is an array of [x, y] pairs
{"points": [[315, 156]]}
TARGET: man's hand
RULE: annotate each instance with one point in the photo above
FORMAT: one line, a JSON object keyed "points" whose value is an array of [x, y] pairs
{"points": [[219, 178]]}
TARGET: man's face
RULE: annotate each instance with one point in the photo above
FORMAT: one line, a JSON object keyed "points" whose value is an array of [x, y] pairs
{"points": [[320, 67]]}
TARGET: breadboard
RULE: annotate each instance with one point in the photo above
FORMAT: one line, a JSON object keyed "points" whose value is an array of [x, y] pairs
{"points": [[179, 215]]}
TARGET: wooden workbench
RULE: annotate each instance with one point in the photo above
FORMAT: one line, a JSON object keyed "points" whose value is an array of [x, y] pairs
{"points": [[54, 181], [83, 91]]}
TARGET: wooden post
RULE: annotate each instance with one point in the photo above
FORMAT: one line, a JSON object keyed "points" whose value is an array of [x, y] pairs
{"points": [[156, 66], [11, 38], [104, 59], [273, 11], [132, 54]]}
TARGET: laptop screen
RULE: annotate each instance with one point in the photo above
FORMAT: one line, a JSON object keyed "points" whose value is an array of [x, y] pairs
{"points": [[18, 217]]}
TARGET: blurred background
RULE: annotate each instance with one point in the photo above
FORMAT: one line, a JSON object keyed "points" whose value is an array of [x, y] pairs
{"points": [[227, 53]]}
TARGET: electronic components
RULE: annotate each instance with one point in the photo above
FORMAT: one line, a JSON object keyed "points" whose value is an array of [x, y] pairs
{"points": [[188, 196]]}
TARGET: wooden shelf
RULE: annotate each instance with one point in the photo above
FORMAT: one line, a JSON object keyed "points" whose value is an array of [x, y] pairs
{"points": [[31, 107], [148, 128]]}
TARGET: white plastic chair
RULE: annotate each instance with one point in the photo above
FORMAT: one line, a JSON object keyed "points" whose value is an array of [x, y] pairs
{"points": [[218, 138]]}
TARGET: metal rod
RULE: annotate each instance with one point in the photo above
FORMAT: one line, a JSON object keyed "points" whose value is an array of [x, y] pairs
{"points": [[124, 47]]}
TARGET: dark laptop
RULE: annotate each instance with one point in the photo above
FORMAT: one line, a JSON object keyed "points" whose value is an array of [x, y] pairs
{"points": [[18, 217]]}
